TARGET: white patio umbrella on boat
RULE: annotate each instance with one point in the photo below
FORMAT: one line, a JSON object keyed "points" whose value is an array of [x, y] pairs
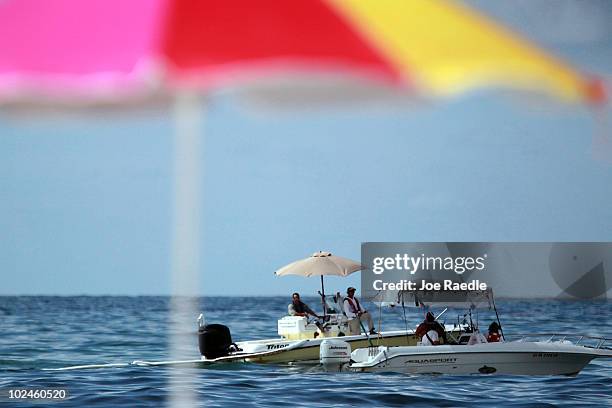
{"points": [[320, 264]]}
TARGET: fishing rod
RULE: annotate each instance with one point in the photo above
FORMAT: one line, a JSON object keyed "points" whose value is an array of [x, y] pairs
{"points": [[441, 313], [366, 332], [498, 321], [405, 319]]}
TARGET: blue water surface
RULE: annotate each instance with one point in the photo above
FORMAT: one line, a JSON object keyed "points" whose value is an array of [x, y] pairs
{"points": [[42, 332]]}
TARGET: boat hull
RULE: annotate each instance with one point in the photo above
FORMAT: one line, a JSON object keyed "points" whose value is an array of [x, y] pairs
{"points": [[282, 351], [493, 358], [309, 350]]}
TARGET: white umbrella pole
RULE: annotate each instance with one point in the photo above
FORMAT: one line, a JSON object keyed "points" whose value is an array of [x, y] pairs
{"points": [[186, 238]]}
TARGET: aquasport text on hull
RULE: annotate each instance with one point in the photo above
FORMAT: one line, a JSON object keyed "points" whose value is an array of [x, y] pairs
{"points": [[447, 284]]}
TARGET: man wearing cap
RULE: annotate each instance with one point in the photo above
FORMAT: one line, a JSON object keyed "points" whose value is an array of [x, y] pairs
{"points": [[356, 314]]}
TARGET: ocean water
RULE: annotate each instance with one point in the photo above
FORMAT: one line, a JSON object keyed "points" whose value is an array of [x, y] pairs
{"points": [[38, 333]]}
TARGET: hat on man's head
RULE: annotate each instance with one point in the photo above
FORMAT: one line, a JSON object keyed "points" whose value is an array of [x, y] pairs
{"points": [[350, 289]]}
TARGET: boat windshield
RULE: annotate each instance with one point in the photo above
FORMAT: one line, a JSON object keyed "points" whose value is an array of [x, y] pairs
{"points": [[465, 299], [334, 304]]}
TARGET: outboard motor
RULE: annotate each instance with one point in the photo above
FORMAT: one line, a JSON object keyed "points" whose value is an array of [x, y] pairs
{"points": [[215, 341], [334, 354]]}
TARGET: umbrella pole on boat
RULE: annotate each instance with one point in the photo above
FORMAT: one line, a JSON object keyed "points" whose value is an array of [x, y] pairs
{"points": [[323, 298]]}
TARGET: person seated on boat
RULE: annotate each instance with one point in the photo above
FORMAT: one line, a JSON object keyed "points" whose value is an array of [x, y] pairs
{"points": [[494, 336], [356, 314], [299, 308], [430, 331]]}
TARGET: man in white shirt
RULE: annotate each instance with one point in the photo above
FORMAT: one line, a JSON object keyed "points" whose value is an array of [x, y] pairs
{"points": [[356, 314]]}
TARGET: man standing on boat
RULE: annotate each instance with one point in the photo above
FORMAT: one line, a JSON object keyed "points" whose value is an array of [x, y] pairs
{"points": [[356, 314], [299, 308]]}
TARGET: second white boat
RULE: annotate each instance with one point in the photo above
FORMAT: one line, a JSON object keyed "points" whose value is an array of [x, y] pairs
{"points": [[552, 357]]}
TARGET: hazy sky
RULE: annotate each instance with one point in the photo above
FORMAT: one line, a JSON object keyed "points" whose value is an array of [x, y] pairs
{"points": [[85, 202]]}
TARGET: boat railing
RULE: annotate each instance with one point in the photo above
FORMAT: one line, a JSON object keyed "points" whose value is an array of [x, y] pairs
{"points": [[577, 339]]}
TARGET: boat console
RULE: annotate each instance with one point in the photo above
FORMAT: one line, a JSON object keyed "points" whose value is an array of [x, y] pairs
{"points": [[298, 327]]}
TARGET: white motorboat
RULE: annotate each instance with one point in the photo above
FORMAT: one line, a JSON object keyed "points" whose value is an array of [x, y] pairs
{"points": [[555, 356], [470, 353], [298, 341]]}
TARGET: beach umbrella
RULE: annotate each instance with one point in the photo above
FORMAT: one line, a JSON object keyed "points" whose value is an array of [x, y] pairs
{"points": [[321, 264], [113, 51]]}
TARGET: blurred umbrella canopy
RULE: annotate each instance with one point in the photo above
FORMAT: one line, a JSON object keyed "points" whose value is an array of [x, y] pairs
{"points": [[116, 51]]}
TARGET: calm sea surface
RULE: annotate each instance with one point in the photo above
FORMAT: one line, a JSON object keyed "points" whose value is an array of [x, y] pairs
{"points": [[53, 332]]}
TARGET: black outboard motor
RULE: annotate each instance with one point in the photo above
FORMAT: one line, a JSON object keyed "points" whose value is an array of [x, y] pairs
{"points": [[215, 341]]}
